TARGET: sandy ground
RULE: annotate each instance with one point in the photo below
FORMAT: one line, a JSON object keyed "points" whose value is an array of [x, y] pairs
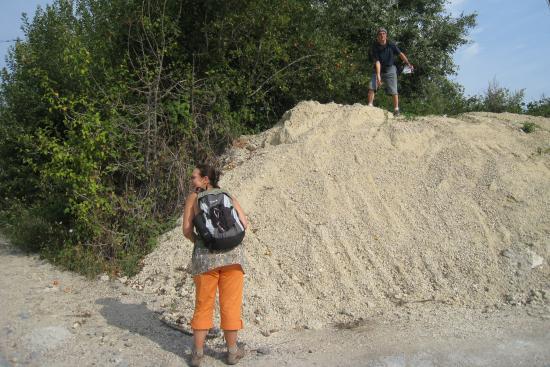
{"points": [[374, 241], [353, 211], [51, 317]]}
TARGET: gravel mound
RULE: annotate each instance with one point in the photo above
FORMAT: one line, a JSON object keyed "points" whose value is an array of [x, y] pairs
{"points": [[354, 212]]}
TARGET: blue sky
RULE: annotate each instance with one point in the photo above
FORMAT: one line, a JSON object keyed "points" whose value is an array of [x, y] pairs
{"points": [[510, 43], [10, 21]]}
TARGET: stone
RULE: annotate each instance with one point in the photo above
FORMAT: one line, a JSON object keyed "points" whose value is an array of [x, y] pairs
{"points": [[104, 278], [535, 259], [24, 315], [215, 332], [51, 288], [263, 350], [3, 361]]}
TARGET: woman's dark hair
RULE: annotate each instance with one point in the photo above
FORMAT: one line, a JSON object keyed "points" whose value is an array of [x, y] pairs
{"points": [[211, 172]]}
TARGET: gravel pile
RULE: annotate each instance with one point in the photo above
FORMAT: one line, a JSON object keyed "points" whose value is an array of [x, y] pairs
{"points": [[354, 212]]}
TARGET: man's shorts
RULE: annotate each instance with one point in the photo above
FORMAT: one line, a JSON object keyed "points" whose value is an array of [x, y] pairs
{"points": [[389, 80]]}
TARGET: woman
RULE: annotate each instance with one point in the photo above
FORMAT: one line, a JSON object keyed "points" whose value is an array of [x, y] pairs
{"points": [[212, 271]]}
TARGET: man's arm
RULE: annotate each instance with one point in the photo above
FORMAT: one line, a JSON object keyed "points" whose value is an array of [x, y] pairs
{"points": [[404, 59], [378, 78], [377, 66]]}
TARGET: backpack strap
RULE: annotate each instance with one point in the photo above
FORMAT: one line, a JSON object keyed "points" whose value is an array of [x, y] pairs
{"points": [[213, 191]]}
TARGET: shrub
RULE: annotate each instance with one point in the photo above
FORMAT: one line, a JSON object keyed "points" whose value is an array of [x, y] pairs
{"points": [[529, 127], [539, 108]]}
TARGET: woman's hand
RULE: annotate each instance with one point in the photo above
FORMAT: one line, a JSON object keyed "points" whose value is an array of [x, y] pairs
{"points": [[244, 221], [240, 212], [188, 214]]}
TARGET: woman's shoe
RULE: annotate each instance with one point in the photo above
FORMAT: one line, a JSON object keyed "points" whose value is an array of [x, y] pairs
{"points": [[233, 358], [196, 359]]}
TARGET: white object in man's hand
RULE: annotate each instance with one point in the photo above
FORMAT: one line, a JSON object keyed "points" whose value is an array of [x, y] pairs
{"points": [[408, 69]]}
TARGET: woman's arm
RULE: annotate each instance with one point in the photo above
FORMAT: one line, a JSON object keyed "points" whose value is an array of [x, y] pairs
{"points": [[188, 214], [240, 212]]}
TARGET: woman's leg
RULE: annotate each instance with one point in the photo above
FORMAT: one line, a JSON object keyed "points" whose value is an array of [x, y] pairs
{"points": [[230, 338], [231, 295], [206, 285], [199, 336]]}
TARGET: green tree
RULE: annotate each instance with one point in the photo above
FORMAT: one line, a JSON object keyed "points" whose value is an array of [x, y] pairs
{"points": [[540, 107], [106, 105], [500, 99]]}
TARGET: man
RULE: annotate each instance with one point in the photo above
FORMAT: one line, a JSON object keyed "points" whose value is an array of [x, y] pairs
{"points": [[385, 72]]}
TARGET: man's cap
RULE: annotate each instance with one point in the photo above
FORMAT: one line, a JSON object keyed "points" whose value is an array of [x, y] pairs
{"points": [[382, 30]]}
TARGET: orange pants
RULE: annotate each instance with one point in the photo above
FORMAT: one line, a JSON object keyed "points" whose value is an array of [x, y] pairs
{"points": [[229, 279]]}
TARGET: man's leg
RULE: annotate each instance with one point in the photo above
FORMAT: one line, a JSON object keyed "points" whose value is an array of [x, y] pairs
{"points": [[372, 88], [396, 102], [390, 78], [370, 97]]}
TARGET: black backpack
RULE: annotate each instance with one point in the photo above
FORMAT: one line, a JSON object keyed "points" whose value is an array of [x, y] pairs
{"points": [[217, 222]]}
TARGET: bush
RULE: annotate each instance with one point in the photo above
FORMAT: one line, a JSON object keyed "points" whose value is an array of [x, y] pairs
{"points": [[107, 105], [529, 127], [496, 99], [499, 99], [539, 108], [439, 96]]}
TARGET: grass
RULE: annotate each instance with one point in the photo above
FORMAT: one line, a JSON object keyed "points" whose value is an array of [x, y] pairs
{"points": [[529, 127], [410, 116], [27, 229]]}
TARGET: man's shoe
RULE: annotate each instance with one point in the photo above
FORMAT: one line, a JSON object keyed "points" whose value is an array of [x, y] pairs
{"points": [[233, 358], [196, 359], [396, 113]]}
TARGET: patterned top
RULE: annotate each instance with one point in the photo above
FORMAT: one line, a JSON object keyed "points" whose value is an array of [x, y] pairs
{"points": [[204, 260]]}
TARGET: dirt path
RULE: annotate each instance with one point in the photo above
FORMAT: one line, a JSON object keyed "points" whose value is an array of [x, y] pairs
{"points": [[50, 317]]}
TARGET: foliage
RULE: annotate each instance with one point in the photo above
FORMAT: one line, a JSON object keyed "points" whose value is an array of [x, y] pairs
{"points": [[107, 105], [529, 127], [539, 108]]}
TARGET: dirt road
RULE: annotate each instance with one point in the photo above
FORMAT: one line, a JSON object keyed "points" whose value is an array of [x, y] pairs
{"points": [[50, 317]]}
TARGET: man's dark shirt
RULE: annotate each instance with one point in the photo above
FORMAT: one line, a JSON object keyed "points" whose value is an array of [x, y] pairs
{"points": [[385, 54]]}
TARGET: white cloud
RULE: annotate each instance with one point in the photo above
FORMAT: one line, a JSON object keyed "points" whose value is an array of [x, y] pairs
{"points": [[474, 32], [477, 30], [471, 51]]}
